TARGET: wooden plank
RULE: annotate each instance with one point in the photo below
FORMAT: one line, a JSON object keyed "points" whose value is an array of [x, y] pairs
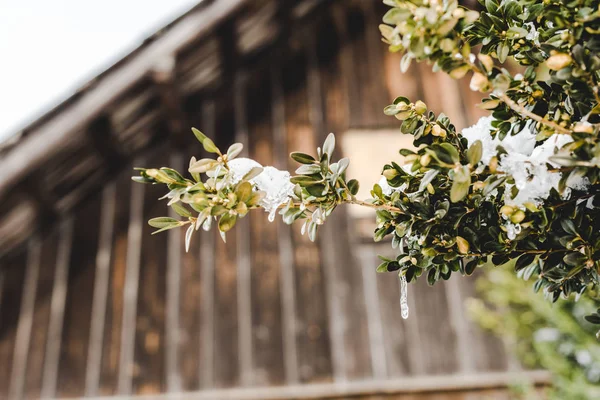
{"points": [[41, 318], [284, 236], [267, 334], [172, 323], [226, 330], [460, 324], [49, 137], [111, 343], [437, 338], [377, 338], [130, 289], [149, 329], [338, 242], [369, 96], [244, 262], [314, 355], [191, 301], [489, 350], [207, 275], [13, 276], [21, 354], [78, 302], [57, 307], [101, 286], [412, 388], [336, 315]]}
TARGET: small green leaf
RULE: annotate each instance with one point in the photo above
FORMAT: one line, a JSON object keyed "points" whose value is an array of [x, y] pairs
{"points": [[181, 210], [188, 237], [244, 191], [382, 267], [303, 158], [308, 169], [305, 180], [475, 152], [210, 146], [253, 173], [201, 166], [329, 145], [462, 244], [163, 222], [199, 135], [227, 222], [459, 190], [353, 185], [234, 150]]}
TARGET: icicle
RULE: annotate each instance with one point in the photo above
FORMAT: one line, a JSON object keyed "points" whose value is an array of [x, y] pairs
{"points": [[403, 297]]}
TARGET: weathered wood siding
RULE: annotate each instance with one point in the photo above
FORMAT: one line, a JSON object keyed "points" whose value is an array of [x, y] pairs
{"points": [[98, 306]]}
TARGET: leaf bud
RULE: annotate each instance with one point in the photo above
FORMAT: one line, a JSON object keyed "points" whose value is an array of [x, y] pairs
{"points": [[558, 61], [420, 107]]}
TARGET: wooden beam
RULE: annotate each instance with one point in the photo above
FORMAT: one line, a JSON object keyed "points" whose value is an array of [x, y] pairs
{"points": [[23, 337], [286, 255], [244, 265], [57, 309], [100, 131], [164, 76], [336, 316], [375, 324], [172, 325], [207, 276], [47, 139], [460, 324], [130, 291], [101, 282], [438, 384]]}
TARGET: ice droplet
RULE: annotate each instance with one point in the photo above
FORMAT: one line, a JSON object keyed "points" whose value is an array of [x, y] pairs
{"points": [[272, 215], [403, 297]]}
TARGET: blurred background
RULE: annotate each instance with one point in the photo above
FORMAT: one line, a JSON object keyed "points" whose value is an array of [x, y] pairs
{"points": [[92, 305]]}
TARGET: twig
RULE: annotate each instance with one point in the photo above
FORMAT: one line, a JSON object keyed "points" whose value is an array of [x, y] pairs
{"points": [[522, 110]]}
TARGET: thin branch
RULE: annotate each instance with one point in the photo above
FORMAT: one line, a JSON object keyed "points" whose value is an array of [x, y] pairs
{"points": [[522, 110]]}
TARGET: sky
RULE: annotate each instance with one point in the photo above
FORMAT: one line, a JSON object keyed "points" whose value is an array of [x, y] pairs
{"points": [[49, 48]]}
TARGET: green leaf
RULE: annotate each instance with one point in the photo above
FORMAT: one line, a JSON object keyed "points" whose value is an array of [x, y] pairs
{"points": [[303, 158], [181, 210], [329, 144], [459, 190], [210, 146], [502, 51], [593, 318], [253, 173], [427, 178], [244, 192], [569, 226], [227, 222], [353, 185], [524, 261], [462, 244], [383, 267], [163, 222], [201, 166], [308, 169], [452, 152], [199, 135], [305, 180], [188, 237], [475, 152], [575, 259], [234, 150]]}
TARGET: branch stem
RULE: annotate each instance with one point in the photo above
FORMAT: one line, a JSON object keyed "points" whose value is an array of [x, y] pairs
{"points": [[523, 111]]}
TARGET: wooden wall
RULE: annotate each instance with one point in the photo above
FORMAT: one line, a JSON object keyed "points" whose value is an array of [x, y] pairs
{"points": [[100, 307]]}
